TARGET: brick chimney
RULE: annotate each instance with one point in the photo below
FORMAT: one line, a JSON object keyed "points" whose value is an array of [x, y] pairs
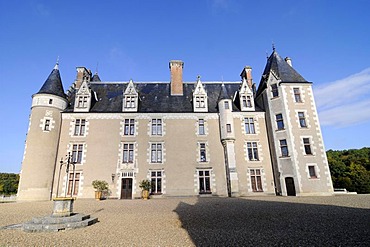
{"points": [[82, 74], [176, 67], [247, 74]]}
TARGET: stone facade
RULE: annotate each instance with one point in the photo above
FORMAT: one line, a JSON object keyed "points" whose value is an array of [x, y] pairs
{"points": [[189, 139]]}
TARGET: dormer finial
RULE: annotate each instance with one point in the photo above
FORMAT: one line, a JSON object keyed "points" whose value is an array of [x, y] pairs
{"points": [[273, 46]]}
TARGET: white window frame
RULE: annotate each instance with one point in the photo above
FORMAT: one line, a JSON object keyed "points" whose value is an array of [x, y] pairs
{"points": [[201, 127], [155, 180], [156, 152], [256, 178], [249, 126], [128, 153], [252, 151], [156, 127], [79, 127], [129, 127], [74, 181], [204, 179]]}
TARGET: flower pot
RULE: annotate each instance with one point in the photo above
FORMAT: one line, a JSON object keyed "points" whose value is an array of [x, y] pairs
{"points": [[145, 194], [98, 195]]}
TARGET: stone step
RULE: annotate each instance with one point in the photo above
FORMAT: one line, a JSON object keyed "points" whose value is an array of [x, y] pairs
{"points": [[49, 227], [59, 220]]}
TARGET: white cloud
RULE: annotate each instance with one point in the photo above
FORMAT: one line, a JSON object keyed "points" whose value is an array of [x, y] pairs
{"points": [[346, 101]]}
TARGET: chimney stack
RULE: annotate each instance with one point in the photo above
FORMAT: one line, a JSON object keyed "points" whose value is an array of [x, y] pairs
{"points": [[82, 74], [247, 74], [289, 61], [176, 67]]}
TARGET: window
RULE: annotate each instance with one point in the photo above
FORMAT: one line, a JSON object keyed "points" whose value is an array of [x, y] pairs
{"points": [[82, 101], [249, 126], [47, 125], [307, 146], [80, 127], [284, 148], [157, 127], [228, 128], [202, 152], [129, 128], [302, 120], [249, 101], [312, 171], [227, 105], [204, 181], [252, 150], [201, 129], [274, 90], [200, 102], [280, 121], [156, 182], [50, 101], [77, 150], [297, 95], [130, 101], [256, 180], [128, 153], [156, 153], [73, 183]]}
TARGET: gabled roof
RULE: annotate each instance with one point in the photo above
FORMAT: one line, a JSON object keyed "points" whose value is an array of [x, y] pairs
{"points": [[155, 97], [281, 69], [53, 84]]}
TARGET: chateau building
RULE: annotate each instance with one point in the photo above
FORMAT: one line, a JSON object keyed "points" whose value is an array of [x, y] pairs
{"points": [[187, 138]]}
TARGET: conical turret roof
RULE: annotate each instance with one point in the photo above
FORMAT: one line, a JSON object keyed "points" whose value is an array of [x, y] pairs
{"points": [[96, 78], [223, 93], [53, 84]]}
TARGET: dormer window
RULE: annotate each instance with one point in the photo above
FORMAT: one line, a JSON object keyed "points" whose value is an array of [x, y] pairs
{"points": [[227, 105], [130, 98], [83, 98], [130, 101], [200, 101], [82, 102], [246, 97]]}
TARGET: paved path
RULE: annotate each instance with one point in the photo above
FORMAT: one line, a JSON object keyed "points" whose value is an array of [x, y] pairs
{"points": [[252, 221]]}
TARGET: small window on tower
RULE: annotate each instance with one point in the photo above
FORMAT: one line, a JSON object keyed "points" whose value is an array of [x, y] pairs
{"points": [[50, 101], [47, 125]]}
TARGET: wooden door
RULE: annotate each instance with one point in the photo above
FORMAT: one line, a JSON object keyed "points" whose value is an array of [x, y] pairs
{"points": [[126, 188], [290, 188]]}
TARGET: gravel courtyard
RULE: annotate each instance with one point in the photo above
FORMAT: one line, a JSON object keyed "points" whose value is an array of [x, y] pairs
{"points": [[252, 221]]}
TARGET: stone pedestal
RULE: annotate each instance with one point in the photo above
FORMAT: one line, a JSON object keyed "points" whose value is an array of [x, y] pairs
{"points": [[63, 206]]}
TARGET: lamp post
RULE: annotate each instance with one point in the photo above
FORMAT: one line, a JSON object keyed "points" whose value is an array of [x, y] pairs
{"points": [[68, 161]]}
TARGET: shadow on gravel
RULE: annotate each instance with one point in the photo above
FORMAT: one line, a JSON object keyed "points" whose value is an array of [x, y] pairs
{"points": [[243, 222]]}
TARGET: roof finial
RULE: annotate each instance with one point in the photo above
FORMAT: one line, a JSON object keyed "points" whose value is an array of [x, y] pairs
{"points": [[273, 46], [198, 77], [57, 64], [267, 55]]}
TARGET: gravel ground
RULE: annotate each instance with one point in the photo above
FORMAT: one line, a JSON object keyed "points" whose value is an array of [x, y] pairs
{"points": [[193, 221]]}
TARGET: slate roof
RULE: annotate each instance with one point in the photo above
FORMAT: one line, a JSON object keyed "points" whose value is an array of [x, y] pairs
{"points": [[281, 69], [53, 84], [155, 97], [95, 78]]}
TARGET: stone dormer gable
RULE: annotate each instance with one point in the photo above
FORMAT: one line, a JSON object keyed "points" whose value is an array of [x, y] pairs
{"points": [[200, 98], [246, 98], [83, 98], [130, 98]]}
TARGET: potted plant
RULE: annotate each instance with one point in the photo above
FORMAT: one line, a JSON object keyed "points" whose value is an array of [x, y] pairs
{"points": [[145, 187], [99, 186]]}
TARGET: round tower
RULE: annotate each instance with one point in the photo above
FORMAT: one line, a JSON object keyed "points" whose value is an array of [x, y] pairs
{"points": [[40, 154], [225, 107]]}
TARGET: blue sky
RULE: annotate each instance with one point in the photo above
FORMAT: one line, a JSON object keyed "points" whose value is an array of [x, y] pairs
{"points": [[328, 41]]}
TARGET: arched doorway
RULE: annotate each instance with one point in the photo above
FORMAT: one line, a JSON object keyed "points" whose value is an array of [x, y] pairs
{"points": [[290, 188]]}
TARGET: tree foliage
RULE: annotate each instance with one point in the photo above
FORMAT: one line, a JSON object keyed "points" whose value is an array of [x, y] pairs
{"points": [[8, 183], [350, 169]]}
